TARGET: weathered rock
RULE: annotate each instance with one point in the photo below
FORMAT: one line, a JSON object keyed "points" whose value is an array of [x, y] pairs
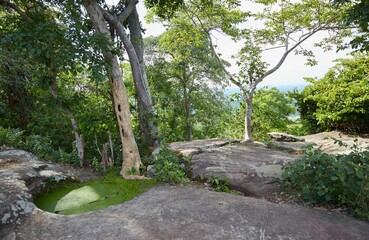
{"points": [[169, 212], [198, 146], [174, 212], [284, 137], [253, 170], [333, 142], [22, 174]]}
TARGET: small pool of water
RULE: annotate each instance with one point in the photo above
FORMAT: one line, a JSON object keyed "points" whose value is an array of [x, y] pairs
{"points": [[91, 196]]}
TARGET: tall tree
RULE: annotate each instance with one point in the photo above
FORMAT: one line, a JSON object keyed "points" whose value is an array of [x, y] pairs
{"points": [[185, 59], [285, 25], [358, 14], [133, 45], [131, 156]]}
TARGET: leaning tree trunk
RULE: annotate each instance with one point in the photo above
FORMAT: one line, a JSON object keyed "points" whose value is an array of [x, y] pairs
{"points": [[149, 132], [131, 157]]}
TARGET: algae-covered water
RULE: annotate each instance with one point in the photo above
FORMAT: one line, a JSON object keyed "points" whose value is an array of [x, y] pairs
{"points": [[91, 196]]}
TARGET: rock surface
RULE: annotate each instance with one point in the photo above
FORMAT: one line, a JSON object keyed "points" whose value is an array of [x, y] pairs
{"points": [[252, 169], [164, 212], [175, 212], [22, 174], [198, 146], [325, 142], [284, 137]]}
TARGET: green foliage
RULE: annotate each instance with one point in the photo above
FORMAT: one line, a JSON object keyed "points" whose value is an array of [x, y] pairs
{"points": [[169, 167], [341, 180], [11, 137], [339, 100], [39, 145], [179, 73], [272, 111], [357, 14], [219, 184]]}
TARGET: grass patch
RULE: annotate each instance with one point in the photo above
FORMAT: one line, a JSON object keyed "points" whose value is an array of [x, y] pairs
{"points": [[85, 197]]}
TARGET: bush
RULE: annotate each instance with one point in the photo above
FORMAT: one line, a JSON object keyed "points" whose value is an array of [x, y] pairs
{"points": [[11, 137], [169, 167], [39, 145], [341, 180]]}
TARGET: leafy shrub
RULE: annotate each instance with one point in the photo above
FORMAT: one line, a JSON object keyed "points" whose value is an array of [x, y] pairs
{"points": [[39, 145], [11, 137], [339, 100], [169, 167], [341, 180]]}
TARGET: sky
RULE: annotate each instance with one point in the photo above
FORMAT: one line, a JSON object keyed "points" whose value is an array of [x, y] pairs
{"points": [[292, 72]]}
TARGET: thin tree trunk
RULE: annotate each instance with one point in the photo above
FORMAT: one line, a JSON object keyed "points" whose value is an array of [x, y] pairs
{"points": [[131, 157], [248, 114], [248, 130], [148, 130], [187, 108], [78, 137]]}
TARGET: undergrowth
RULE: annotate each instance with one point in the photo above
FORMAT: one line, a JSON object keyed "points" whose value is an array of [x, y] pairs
{"points": [[339, 180], [38, 145], [169, 167]]}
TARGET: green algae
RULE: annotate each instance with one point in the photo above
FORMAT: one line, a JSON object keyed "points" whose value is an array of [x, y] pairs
{"points": [[80, 198]]}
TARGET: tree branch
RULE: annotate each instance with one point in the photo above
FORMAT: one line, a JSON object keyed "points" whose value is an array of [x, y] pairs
{"points": [[127, 11], [17, 9], [284, 56]]}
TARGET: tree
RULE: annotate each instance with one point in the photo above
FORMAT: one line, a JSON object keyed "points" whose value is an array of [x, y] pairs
{"points": [[272, 112], [133, 46], [285, 25], [339, 100], [358, 14], [131, 157], [37, 31], [184, 58]]}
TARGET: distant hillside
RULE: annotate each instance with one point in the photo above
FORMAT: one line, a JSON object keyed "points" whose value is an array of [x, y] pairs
{"points": [[282, 88]]}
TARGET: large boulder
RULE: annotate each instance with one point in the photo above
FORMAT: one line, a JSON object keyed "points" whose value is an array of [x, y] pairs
{"points": [[253, 170], [333, 142], [191, 148]]}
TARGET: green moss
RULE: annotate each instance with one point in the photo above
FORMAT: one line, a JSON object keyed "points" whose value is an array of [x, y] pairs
{"points": [[91, 196]]}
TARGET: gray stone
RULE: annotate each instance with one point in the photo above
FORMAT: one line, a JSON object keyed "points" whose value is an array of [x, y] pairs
{"points": [[175, 212], [198, 146], [169, 212], [284, 137], [253, 170]]}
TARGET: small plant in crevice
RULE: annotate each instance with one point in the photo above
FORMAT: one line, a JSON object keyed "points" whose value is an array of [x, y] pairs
{"points": [[219, 184], [338, 180], [169, 167]]}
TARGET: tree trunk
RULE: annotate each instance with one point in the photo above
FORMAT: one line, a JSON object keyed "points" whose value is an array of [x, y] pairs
{"points": [[149, 132], [131, 157], [134, 48], [78, 137], [248, 113], [187, 107]]}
